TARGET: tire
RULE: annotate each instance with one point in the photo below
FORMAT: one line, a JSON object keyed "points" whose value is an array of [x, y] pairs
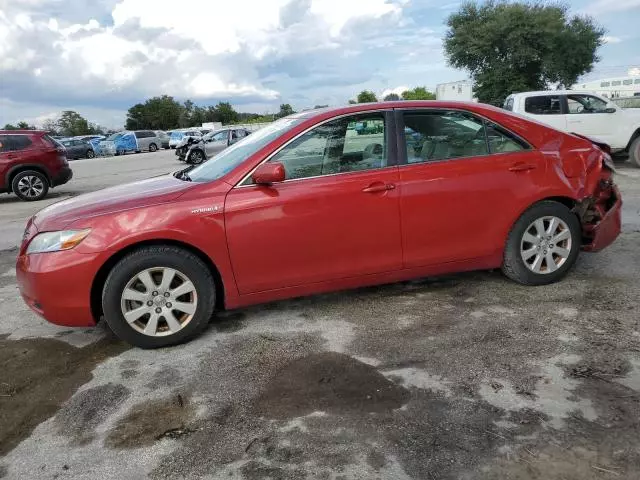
{"points": [[90, 154], [30, 185], [516, 268], [634, 152], [153, 147], [196, 157], [153, 260]]}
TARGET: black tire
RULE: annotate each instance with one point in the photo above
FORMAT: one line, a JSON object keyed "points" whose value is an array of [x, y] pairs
{"points": [[196, 157], [153, 147], [90, 154], [30, 185], [514, 266], [158, 257], [634, 153]]}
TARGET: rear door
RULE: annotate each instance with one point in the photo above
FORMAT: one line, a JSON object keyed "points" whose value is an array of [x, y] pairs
{"points": [[546, 109], [463, 181], [336, 215]]}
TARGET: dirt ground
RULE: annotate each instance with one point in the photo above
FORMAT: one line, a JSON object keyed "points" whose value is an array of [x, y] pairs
{"points": [[459, 377]]}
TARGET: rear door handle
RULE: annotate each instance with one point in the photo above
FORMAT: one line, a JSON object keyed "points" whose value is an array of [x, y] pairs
{"points": [[378, 187], [522, 167]]}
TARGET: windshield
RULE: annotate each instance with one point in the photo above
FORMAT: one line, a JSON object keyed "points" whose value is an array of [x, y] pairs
{"points": [[115, 136], [176, 135], [233, 156]]}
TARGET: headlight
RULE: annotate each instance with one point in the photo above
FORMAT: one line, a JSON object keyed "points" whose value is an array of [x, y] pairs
{"points": [[56, 241]]}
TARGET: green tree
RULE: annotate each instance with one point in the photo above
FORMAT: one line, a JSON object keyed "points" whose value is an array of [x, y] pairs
{"points": [[366, 96], [226, 113], [511, 47], [9, 126], [157, 113], [19, 126], [391, 97], [285, 110], [50, 126], [418, 93], [352, 102], [72, 123]]}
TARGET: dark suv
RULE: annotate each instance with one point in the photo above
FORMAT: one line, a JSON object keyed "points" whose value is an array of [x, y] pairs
{"points": [[31, 162]]}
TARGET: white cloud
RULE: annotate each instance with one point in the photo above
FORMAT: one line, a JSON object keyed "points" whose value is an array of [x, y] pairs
{"points": [[608, 39], [599, 7], [398, 91]]}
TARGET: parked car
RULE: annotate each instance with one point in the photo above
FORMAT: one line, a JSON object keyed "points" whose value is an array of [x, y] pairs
{"points": [[584, 113], [31, 162], [188, 138], [164, 139], [148, 140], [119, 143], [302, 207], [177, 136], [78, 149], [213, 143]]}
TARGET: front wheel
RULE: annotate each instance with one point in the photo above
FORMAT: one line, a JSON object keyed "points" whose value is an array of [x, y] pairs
{"points": [[158, 296], [634, 152], [196, 157], [543, 244], [90, 154]]}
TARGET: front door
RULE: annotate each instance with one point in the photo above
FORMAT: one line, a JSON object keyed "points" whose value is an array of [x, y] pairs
{"points": [[464, 181], [217, 143], [335, 216], [589, 115]]}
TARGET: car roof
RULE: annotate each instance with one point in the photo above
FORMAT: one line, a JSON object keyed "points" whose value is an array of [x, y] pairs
{"points": [[552, 92]]}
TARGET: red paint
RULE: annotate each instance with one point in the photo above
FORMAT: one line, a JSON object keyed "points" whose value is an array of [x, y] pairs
{"points": [[283, 239], [42, 155]]}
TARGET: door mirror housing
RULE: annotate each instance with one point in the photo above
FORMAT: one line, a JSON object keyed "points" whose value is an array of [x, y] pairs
{"points": [[610, 110], [268, 173]]}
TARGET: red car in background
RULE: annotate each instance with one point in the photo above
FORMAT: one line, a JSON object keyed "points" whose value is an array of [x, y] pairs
{"points": [[315, 202], [31, 162]]}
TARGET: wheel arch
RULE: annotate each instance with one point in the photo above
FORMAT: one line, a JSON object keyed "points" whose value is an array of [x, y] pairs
{"points": [[635, 135], [23, 167], [101, 277]]}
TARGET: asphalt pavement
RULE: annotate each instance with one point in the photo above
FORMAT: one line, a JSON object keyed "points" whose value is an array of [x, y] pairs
{"points": [[456, 377]]}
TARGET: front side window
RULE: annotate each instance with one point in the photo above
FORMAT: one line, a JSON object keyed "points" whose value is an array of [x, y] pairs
{"points": [[627, 82], [436, 136], [543, 105], [585, 104], [347, 144], [220, 136]]}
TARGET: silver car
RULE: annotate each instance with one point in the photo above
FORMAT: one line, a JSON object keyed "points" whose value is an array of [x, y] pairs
{"points": [[148, 140], [214, 142]]}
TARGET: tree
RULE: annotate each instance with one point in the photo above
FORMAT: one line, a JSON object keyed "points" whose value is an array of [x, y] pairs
{"points": [[50, 126], [391, 97], [9, 126], [157, 113], [366, 96], [352, 102], [19, 126], [226, 113], [512, 47], [285, 110], [418, 93], [72, 123]]}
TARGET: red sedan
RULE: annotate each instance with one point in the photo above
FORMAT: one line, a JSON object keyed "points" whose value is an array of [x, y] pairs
{"points": [[322, 200]]}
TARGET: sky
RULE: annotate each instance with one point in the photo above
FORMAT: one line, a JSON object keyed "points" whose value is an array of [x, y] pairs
{"points": [[99, 57]]}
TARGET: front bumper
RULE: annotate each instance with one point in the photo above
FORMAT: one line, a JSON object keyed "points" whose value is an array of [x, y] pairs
{"points": [[62, 177], [57, 285]]}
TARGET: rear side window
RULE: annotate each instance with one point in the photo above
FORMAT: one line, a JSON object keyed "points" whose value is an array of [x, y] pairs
{"points": [[508, 105], [502, 141], [12, 143], [543, 105]]}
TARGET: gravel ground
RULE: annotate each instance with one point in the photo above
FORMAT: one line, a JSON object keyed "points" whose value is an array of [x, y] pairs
{"points": [[466, 376]]}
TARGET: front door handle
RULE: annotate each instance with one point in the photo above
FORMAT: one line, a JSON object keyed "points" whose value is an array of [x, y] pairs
{"points": [[522, 167], [378, 187]]}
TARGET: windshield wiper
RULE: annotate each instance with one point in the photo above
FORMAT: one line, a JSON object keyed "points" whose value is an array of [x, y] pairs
{"points": [[183, 175]]}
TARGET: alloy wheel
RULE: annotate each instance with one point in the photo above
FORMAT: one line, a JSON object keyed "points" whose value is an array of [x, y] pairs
{"points": [[159, 301], [546, 245], [31, 186]]}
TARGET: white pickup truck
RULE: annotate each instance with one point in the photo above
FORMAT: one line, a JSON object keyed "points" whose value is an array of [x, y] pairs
{"points": [[584, 113]]}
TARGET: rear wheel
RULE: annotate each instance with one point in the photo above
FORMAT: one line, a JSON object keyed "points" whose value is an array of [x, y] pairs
{"points": [[543, 244], [634, 152], [158, 296], [90, 154], [30, 185], [153, 147]]}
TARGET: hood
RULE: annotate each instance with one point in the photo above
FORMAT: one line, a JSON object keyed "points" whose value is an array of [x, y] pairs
{"points": [[115, 199]]}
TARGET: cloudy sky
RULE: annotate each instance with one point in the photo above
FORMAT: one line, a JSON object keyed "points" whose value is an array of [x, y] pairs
{"points": [[99, 57]]}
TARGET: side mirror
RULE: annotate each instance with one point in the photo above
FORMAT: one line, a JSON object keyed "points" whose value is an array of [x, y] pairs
{"points": [[268, 173], [610, 110]]}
